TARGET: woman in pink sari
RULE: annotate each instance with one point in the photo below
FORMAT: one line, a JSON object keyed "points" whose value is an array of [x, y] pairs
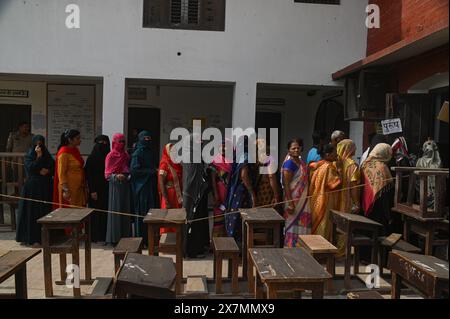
{"points": [[295, 184], [220, 177]]}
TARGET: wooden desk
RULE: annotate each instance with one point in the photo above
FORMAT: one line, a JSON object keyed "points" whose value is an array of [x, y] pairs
{"points": [[287, 269], [15, 263], [167, 218], [259, 218], [425, 227], [349, 224], [427, 274], [63, 218], [146, 276], [322, 251]]}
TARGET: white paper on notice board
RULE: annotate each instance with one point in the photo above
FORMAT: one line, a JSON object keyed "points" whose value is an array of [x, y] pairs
{"points": [[391, 126]]}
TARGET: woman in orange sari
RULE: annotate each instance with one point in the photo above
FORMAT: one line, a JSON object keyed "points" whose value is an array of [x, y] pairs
{"points": [[325, 180], [69, 185], [169, 183]]}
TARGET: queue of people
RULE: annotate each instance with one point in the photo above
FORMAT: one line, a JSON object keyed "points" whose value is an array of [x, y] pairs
{"points": [[304, 192]]}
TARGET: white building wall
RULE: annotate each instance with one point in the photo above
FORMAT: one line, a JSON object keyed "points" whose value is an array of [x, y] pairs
{"points": [[268, 41]]}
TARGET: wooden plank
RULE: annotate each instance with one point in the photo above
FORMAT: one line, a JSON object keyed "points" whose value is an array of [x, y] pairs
{"points": [[354, 218], [316, 244], [196, 285], [391, 240], [132, 245], [101, 286], [168, 239], [156, 216], [225, 244], [364, 295], [14, 260], [286, 265], [258, 215], [66, 215]]}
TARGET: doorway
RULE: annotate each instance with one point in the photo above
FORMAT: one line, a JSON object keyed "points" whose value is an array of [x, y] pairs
{"points": [[144, 119], [12, 116]]}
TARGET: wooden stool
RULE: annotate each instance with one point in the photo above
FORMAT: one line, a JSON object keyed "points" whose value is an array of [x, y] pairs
{"points": [[130, 245], [226, 248], [371, 294], [322, 251]]}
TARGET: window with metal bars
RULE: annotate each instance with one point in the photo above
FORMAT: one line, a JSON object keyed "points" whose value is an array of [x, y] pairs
{"points": [[185, 14], [336, 2]]}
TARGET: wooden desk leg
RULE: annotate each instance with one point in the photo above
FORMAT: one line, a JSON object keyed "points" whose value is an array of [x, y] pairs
{"points": [[429, 242], [116, 263], [250, 277], [330, 269], [179, 257], [76, 262], [47, 257], [87, 250], [219, 274], [317, 292], [271, 291], [244, 250], [63, 266], [277, 236], [356, 260], [151, 240], [21, 283], [235, 275], [374, 247], [396, 286], [348, 256], [259, 293], [406, 229]]}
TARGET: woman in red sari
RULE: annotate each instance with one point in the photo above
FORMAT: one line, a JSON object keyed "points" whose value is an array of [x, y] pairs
{"points": [[169, 183]]}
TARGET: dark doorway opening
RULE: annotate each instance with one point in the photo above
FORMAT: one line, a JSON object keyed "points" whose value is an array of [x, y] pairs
{"points": [[12, 116], [330, 117], [144, 118]]}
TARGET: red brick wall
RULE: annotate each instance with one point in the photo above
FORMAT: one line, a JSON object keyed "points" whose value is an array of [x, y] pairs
{"points": [[401, 19], [421, 67]]}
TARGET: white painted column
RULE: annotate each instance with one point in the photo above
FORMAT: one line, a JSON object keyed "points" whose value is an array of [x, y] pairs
{"points": [[357, 135], [244, 104], [113, 104]]}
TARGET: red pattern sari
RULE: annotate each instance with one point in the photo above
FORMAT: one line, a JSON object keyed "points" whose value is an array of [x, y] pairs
{"points": [[173, 173]]}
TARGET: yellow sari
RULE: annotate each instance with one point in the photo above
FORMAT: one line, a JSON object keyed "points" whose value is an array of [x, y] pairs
{"points": [[324, 179]]}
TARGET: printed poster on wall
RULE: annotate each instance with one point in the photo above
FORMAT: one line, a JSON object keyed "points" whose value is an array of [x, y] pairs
{"points": [[71, 107]]}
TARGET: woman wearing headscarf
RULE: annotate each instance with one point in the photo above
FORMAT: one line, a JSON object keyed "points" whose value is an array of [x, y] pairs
{"points": [[241, 190], [98, 186], [349, 201], [430, 159], [220, 177], [143, 170], [195, 201], [39, 168], [378, 191], [325, 181], [374, 141], [117, 172], [170, 186], [70, 183], [294, 179]]}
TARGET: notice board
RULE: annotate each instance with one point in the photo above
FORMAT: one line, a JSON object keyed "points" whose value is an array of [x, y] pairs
{"points": [[70, 107]]}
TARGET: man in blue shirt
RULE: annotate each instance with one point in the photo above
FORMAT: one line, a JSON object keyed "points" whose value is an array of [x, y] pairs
{"points": [[318, 142]]}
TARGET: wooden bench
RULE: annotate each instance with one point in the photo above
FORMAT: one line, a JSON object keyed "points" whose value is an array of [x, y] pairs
{"points": [[427, 274], [371, 294], [287, 269], [130, 245], [145, 277], [386, 246], [14, 263], [350, 225], [323, 251], [261, 219], [226, 248]]}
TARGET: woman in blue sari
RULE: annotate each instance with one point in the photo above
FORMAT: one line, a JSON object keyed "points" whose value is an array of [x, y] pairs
{"points": [[241, 192], [143, 171]]}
